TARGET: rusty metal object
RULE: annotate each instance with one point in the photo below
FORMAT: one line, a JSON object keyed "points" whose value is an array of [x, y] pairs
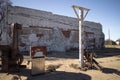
{"points": [[15, 27], [9, 63], [5, 49], [90, 62], [10, 56]]}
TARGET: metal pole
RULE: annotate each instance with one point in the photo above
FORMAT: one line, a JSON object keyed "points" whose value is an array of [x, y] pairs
{"points": [[81, 39], [81, 18]]}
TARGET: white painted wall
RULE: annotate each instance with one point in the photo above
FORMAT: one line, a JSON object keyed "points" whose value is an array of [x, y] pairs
{"points": [[51, 26]]}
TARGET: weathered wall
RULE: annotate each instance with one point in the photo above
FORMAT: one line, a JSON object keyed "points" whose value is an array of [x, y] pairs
{"points": [[58, 33], [96, 29], [44, 29]]}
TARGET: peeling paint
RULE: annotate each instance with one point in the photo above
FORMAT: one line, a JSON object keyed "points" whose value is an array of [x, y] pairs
{"points": [[41, 28]]}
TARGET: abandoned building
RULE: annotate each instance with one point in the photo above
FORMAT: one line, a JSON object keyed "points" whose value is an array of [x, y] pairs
{"points": [[42, 28]]}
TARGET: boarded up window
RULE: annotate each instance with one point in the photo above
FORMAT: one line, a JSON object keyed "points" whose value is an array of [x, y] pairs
{"points": [[66, 33]]}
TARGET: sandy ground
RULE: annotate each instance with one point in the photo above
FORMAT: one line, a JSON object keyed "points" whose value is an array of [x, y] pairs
{"points": [[64, 71]]}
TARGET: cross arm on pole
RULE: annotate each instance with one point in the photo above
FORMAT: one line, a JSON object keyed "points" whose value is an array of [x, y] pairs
{"points": [[81, 9]]}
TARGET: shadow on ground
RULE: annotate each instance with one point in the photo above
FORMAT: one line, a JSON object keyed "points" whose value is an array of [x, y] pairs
{"points": [[60, 75], [108, 52], [55, 75], [105, 52], [71, 55], [111, 71]]}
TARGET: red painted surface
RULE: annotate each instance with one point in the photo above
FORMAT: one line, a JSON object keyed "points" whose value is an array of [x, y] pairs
{"points": [[37, 49], [40, 35], [66, 33]]}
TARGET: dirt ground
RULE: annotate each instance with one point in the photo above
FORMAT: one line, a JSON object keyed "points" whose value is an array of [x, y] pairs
{"points": [[64, 71]]}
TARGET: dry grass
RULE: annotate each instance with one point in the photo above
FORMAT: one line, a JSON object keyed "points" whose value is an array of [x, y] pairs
{"points": [[112, 46]]}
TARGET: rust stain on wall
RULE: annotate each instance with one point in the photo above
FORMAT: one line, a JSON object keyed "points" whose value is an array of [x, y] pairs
{"points": [[40, 35], [66, 33]]}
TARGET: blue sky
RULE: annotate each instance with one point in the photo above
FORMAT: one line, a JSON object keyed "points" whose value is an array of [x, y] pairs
{"points": [[106, 12]]}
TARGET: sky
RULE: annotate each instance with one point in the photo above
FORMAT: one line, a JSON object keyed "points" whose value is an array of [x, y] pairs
{"points": [[106, 12]]}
